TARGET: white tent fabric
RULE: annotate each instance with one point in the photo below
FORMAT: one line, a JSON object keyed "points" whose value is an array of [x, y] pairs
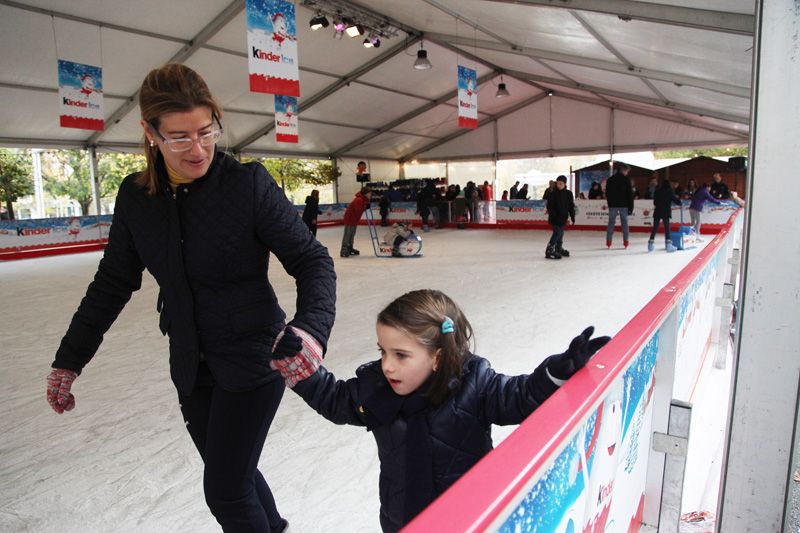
{"points": [[624, 75]]}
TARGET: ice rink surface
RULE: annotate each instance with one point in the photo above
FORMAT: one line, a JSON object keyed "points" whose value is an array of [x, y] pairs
{"points": [[122, 460]]}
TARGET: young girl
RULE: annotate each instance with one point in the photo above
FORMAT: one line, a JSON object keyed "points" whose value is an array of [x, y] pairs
{"points": [[429, 401]]}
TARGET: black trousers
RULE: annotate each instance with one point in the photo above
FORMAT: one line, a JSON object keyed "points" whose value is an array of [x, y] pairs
{"points": [[656, 222], [229, 430], [557, 238]]}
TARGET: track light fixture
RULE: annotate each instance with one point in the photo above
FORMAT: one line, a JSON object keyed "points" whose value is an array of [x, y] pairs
{"points": [[318, 21], [354, 30], [502, 92], [422, 62], [352, 19], [373, 41]]}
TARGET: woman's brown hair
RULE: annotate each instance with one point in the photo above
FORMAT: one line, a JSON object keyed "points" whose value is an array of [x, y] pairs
{"points": [[420, 314], [168, 89]]}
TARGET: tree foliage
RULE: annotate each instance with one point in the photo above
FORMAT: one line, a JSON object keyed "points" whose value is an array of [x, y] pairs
{"points": [[68, 173], [15, 177], [708, 152], [293, 174]]}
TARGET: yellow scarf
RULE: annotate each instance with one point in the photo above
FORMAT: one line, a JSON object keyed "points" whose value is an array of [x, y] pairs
{"points": [[175, 178]]}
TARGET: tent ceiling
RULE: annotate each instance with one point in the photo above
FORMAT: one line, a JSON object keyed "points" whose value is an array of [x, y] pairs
{"points": [[625, 74]]}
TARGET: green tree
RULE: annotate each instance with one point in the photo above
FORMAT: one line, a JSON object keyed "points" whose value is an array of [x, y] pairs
{"points": [[68, 173], [294, 173], [15, 177], [708, 152], [112, 169]]}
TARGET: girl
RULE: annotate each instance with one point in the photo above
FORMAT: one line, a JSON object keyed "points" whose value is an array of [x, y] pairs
{"points": [[204, 226], [428, 401]]}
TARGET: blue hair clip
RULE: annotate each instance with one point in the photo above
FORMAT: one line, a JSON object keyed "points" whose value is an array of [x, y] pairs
{"points": [[447, 325]]}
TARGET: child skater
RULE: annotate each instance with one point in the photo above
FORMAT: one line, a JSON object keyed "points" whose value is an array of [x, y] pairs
{"points": [[429, 402], [663, 198], [560, 209]]}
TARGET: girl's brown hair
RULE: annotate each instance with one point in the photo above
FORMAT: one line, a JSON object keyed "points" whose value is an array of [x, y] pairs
{"points": [[168, 89], [420, 314]]}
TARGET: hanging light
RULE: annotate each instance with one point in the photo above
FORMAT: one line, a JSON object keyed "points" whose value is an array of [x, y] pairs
{"points": [[354, 30], [373, 41], [318, 21], [422, 62], [338, 27], [549, 92], [502, 92]]}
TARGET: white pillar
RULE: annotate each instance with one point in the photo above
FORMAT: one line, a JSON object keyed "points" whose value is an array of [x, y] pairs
{"points": [[93, 176], [757, 469], [38, 186]]}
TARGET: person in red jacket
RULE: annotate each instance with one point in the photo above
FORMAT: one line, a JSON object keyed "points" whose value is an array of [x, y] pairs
{"points": [[351, 217]]}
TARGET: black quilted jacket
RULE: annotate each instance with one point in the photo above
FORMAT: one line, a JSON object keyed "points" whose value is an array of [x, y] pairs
{"points": [[208, 247], [460, 428]]}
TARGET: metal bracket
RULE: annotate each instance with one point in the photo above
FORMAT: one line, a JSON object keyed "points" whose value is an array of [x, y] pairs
{"points": [[670, 444]]}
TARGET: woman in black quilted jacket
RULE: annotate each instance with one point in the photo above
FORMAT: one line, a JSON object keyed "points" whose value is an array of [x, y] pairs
{"points": [[428, 401], [204, 226]]}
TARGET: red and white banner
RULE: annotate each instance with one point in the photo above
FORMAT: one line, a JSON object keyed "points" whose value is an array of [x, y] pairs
{"points": [[286, 127], [80, 96], [467, 97], [272, 47]]}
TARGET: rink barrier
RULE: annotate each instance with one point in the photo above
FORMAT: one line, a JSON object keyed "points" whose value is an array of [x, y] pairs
{"points": [[50, 236], [582, 462]]}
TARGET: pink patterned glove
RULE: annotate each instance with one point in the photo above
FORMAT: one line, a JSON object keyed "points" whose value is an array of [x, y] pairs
{"points": [[296, 368], [59, 382]]}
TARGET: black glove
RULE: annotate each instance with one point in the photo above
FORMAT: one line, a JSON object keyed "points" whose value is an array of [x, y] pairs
{"points": [[289, 345], [564, 365]]}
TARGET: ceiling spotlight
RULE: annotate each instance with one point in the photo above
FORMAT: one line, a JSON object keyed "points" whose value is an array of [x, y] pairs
{"points": [[318, 21], [422, 62], [549, 92], [373, 41], [339, 24], [502, 92], [354, 30]]}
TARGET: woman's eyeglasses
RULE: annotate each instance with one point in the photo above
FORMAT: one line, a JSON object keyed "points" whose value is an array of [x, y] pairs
{"points": [[184, 144]]}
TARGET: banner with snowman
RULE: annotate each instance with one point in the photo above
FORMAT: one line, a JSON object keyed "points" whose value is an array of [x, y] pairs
{"points": [[80, 96], [286, 128], [467, 97], [272, 47], [597, 482]]}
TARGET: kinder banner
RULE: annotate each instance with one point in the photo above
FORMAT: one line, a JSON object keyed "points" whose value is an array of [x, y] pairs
{"points": [[272, 47], [597, 482], [595, 213], [34, 234], [286, 128], [521, 211], [80, 95], [467, 98]]}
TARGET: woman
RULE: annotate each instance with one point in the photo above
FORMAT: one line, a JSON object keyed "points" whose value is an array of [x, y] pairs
{"points": [[204, 226], [311, 211]]}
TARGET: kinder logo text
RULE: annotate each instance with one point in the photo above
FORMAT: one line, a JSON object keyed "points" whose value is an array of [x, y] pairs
{"points": [[269, 56], [25, 232], [78, 103]]}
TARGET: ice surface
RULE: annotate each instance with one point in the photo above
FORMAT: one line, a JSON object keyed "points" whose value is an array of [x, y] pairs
{"points": [[122, 460]]}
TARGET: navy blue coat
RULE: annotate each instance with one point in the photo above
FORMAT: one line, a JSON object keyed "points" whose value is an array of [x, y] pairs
{"points": [[663, 200], [208, 246], [460, 427]]}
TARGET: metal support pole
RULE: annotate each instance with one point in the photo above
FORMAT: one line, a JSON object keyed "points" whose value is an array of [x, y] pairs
{"points": [[336, 181], [675, 445], [93, 175]]}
